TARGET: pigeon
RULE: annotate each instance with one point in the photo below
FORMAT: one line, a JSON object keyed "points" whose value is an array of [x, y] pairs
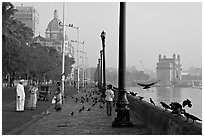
{"points": [[147, 86], [176, 108], [80, 110], [165, 106], [133, 94], [189, 116], [140, 98], [151, 101], [101, 107], [89, 109], [187, 102]]}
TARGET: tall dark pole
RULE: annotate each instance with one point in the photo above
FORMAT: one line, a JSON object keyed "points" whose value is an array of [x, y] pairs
{"points": [[101, 54], [123, 118], [103, 36], [99, 73]]}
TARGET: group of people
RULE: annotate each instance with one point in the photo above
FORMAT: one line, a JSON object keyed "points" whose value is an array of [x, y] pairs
{"points": [[33, 91], [33, 96], [20, 96]]}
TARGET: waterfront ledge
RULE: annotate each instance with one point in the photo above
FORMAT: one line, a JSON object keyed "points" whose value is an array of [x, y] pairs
{"points": [[160, 122]]}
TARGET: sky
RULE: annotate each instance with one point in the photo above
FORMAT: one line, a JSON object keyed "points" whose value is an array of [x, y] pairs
{"points": [[152, 28]]}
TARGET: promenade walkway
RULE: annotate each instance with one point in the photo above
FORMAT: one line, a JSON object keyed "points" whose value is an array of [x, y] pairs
{"points": [[93, 122]]}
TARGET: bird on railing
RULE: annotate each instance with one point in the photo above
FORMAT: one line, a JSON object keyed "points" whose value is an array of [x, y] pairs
{"points": [[140, 98], [187, 102], [190, 116], [147, 86], [165, 106], [151, 101], [176, 108], [133, 93]]}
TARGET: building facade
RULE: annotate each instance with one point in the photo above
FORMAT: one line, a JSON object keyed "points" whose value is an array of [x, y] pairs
{"points": [[169, 70], [29, 16], [54, 36]]}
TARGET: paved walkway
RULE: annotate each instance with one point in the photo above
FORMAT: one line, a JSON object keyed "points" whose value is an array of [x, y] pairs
{"points": [[94, 122]]}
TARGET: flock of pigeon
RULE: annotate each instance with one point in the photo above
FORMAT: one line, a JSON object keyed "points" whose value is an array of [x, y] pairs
{"points": [[89, 96], [175, 107], [94, 98]]}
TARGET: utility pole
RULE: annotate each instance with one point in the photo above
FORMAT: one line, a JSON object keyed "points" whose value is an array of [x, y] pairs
{"points": [[63, 53]]}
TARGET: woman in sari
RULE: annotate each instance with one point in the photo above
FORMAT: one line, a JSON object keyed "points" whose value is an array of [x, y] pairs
{"points": [[33, 96], [58, 97]]}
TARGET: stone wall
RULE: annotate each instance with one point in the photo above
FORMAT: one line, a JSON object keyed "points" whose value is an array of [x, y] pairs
{"points": [[161, 122]]}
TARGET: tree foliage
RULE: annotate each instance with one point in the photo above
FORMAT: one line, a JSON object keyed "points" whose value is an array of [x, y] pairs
{"points": [[21, 56]]}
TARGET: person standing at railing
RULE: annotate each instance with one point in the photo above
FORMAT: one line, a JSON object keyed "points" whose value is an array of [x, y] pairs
{"points": [[109, 99]]}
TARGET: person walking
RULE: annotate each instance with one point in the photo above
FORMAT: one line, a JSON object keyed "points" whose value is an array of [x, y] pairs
{"points": [[58, 97], [20, 96], [33, 96], [109, 99]]}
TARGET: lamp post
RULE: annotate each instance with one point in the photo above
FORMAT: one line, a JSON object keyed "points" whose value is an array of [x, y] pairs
{"points": [[72, 26], [103, 37], [123, 117], [78, 62], [99, 74], [63, 54], [101, 55]]}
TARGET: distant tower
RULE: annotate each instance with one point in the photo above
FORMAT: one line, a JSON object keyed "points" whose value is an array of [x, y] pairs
{"points": [[169, 70], [159, 57]]}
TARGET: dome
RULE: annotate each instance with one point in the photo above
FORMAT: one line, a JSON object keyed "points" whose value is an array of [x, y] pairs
{"points": [[54, 23]]}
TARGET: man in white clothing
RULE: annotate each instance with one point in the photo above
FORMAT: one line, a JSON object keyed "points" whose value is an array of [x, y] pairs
{"points": [[20, 96], [109, 99]]}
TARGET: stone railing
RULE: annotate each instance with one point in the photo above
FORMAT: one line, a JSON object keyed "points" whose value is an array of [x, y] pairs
{"points": [[160, 122]]}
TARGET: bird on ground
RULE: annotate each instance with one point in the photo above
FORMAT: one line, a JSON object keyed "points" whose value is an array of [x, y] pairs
{"points": [[72, 96], [94, 104], [89, 109], [83, 108], [187, 102], [87, 99], [82, 98], [189, 116], [80, 110], [82, 101], [101, 107], [72, 113], [151, 101], [165, 106], [147, 86], [140, 98]]}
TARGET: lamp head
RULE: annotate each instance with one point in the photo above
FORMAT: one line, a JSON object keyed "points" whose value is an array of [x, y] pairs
{"points": [[103, 34]]}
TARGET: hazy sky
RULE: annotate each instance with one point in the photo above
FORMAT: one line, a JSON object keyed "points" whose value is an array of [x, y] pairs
{"points": [[152, 29]]}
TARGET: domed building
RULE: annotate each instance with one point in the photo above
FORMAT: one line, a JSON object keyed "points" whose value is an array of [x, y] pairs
{"points": [[54, 34]]}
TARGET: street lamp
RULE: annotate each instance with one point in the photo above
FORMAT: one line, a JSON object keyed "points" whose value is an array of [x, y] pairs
{"points": [[72, 26], [122, 109], [78, 62], [101, 57], [103, 37]]}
